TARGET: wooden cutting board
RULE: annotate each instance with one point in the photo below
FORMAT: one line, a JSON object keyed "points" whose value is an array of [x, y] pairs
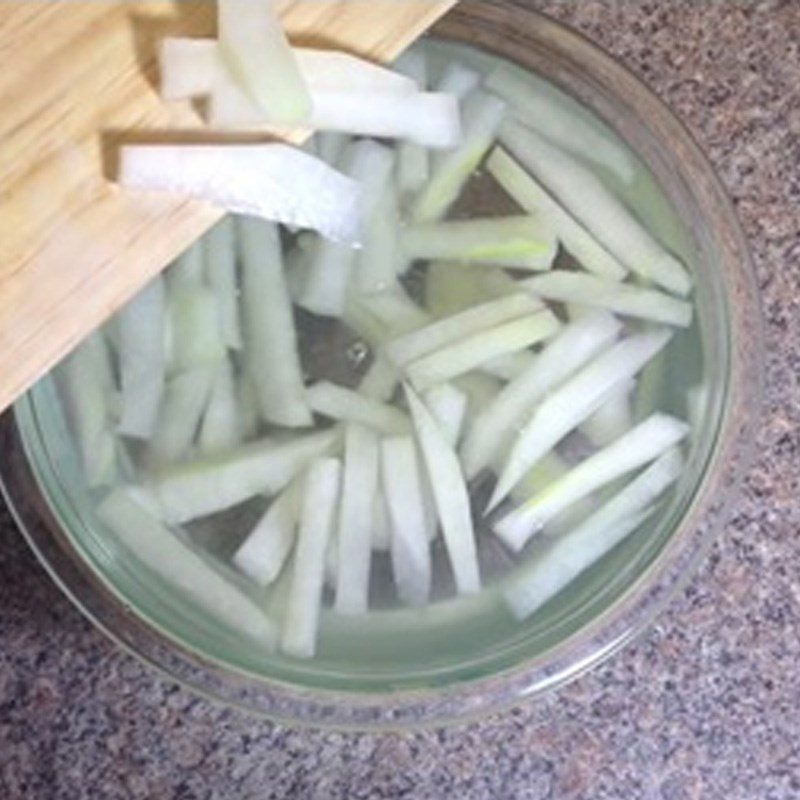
{"points": [[78, 78]]}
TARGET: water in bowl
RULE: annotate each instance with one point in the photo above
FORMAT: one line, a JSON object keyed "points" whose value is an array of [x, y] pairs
{"points": [[453, 638]]}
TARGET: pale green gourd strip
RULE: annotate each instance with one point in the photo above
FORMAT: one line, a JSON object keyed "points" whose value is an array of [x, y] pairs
{"points": [[450, 330], [637, 447], [481, 114], [492, 429], [472, 351], [524, 242], [254, 47], [593, 205], [575, 400], [87, 383], [160, 550], [203, 486], [263, 553], [450, 496], [533, 583], [271, 354], [409, 549], [354, 528], [622, 298], [317, 523], [575, 238]]}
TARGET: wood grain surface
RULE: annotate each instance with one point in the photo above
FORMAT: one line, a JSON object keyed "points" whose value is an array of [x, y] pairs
{"points": [[79, 78]]}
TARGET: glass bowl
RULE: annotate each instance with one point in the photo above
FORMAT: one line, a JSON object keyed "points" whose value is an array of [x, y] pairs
{"points": [[464, 666]]}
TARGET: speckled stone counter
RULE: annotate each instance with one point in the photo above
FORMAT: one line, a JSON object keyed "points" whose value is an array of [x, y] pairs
{"points": [[706, 705]]}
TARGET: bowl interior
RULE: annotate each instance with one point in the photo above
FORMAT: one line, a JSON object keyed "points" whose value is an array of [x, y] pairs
{"points": [[460, 641]]}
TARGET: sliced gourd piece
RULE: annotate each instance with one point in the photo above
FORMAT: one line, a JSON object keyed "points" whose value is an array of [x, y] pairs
{"points": [[472, 351], [568, 406], [450, 330], [317, 523], [273, 181], [220, 274], [449, 494], [271, 354], [253, 45], [263, 553], [409, 549], [448, 405], [639, 446], [146, 538], [354, 529], [203, 486], [492, 429], [587, 199], [621, 298], [575, 238], [341, 403], [221, 428], [182, 407], [86, 381], [142, 359], [523, 242], [567, 556], [482, 115]]}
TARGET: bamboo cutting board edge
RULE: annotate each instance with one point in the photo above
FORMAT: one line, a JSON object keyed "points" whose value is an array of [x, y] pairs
{"points": [[73, 247]]}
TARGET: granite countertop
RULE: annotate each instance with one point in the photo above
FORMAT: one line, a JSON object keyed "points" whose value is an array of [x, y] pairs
{"points": [[705, 705]]}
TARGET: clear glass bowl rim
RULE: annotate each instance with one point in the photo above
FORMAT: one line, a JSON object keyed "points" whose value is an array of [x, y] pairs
{"points": [[594, 643]]}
